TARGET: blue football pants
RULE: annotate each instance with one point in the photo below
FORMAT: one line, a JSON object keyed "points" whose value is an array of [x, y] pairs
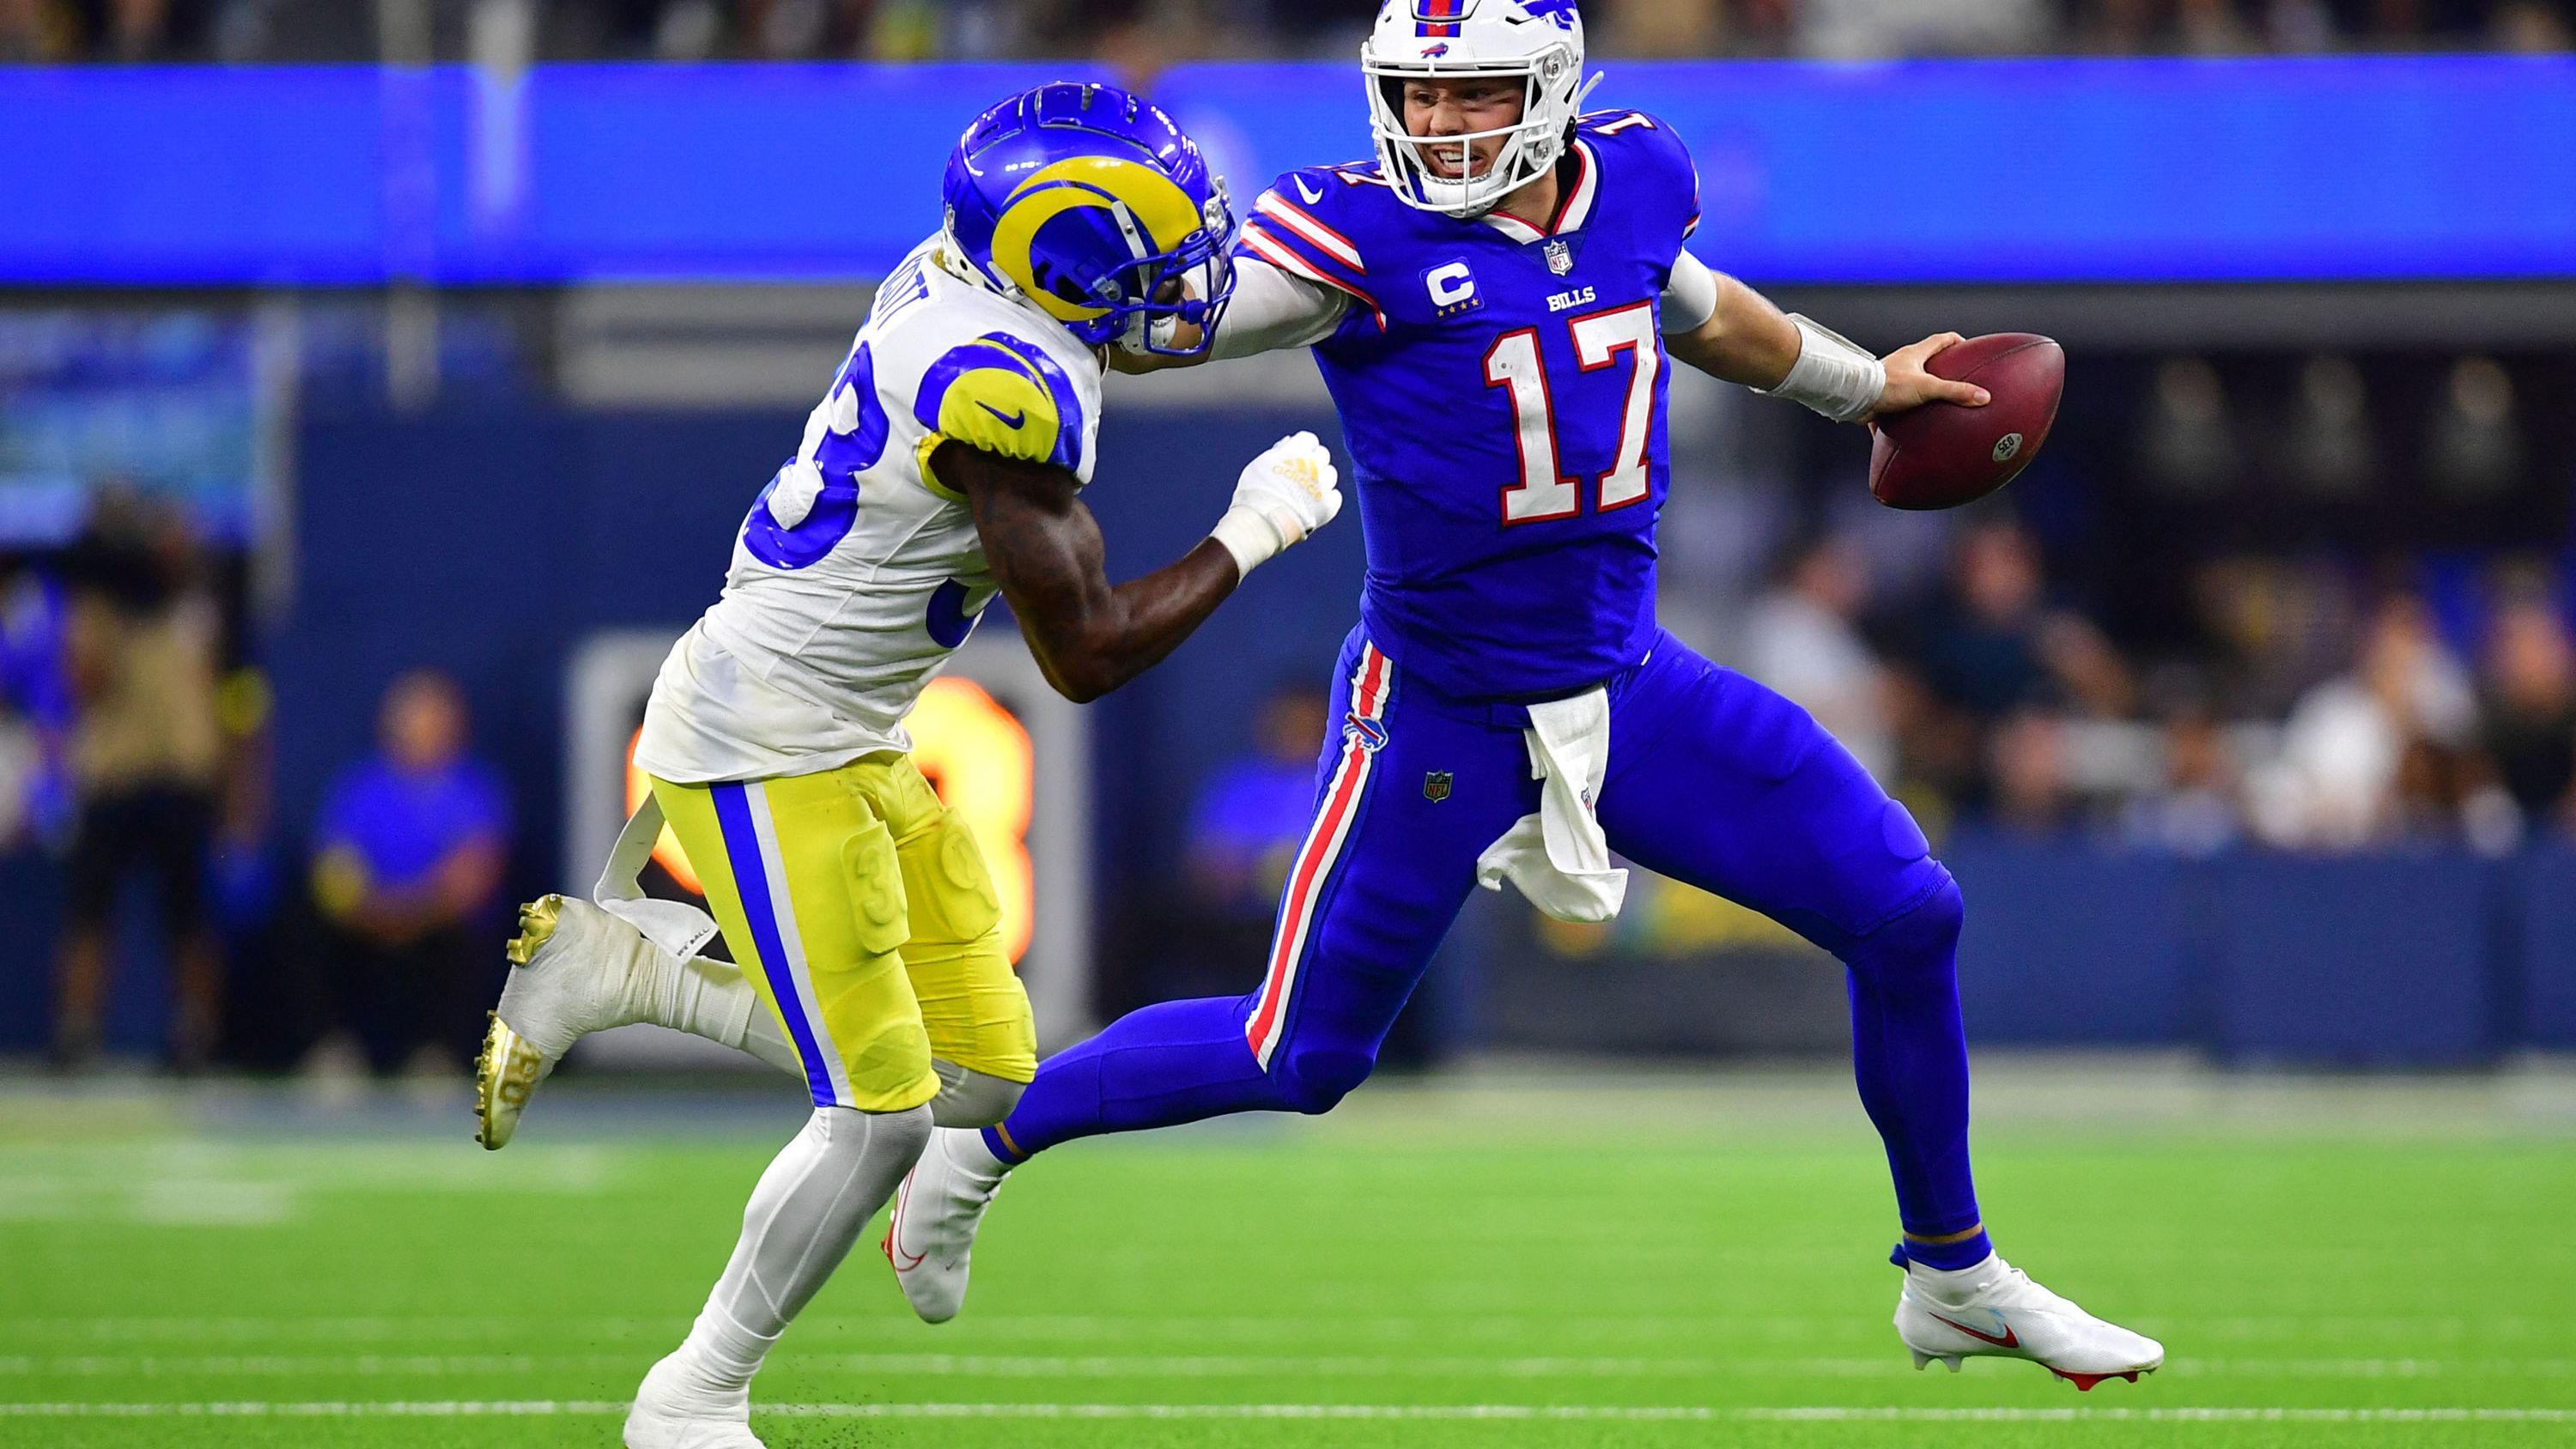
{"points": [[1714, 780]]}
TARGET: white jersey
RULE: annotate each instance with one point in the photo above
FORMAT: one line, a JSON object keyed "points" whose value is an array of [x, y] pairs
{"points": [[857, 574]]}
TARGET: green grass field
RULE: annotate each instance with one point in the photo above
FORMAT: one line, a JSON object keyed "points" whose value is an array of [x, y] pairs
{"points": [[1555, 1263]]}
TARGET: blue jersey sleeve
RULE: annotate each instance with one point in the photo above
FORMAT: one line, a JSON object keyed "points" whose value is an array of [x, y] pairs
{"points": [[1304, 226], [1648, 144]]}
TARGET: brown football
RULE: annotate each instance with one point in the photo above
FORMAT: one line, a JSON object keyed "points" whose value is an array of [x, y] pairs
{"points": [[1942, 455]]}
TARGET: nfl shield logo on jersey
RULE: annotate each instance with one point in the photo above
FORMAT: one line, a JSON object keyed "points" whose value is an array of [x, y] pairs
{"points": [[1436, 785], [1560, 257]]}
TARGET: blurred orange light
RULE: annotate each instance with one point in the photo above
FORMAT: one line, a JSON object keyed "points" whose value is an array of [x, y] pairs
{"points": [[977, 755], [666, 851]]}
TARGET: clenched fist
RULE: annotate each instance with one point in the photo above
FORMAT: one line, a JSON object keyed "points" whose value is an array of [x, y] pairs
{"points": [[1283, 496]]}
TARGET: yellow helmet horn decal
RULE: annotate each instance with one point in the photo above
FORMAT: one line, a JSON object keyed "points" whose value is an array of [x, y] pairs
{"points": [[1164, 211]]}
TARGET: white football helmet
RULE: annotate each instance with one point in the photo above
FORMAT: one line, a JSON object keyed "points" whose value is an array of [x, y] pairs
{"points": [[1538, 42]]}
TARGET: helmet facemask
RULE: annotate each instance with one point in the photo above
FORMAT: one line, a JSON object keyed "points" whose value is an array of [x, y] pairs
{"points": [[1120, 305], [1198, 280], [1552, 91]]}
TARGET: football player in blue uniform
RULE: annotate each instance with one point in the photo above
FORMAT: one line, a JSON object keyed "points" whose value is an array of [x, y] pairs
{"points": [[1492, 302]]}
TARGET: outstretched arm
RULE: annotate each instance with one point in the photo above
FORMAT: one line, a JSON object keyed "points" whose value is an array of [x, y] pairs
{"points": [[1270, 311], [1044, 547], [1738, 335]]}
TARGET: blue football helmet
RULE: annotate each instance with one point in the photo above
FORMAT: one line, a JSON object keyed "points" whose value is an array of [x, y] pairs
{"points": [[1092, 204]]}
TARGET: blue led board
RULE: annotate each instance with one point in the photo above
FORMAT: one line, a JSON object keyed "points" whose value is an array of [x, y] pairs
{"points": [[1975, 171]]}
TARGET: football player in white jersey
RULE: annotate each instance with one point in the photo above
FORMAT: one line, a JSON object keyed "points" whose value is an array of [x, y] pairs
{"points": [[944, 466]]}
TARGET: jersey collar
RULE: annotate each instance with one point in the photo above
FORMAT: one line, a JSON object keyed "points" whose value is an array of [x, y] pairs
{"points": [[1573, 209]]}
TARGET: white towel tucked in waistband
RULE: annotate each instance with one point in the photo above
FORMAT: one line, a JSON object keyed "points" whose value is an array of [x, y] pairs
{"points": [[675, 926], [1558, 857]]}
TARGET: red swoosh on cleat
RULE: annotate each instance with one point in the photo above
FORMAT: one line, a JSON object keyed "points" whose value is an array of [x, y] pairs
{"points": [[2009, 1340], [894, 1224]]}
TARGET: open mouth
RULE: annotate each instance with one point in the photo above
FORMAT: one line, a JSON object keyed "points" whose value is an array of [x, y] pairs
{"points": [[1444, 163]]}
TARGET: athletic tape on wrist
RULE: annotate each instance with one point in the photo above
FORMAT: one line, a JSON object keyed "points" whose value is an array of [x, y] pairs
{"points": [[1833, 375], [1250, 536]]}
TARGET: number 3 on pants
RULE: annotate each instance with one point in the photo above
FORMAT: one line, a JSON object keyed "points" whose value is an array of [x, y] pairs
{"points": [[1513, 362]]}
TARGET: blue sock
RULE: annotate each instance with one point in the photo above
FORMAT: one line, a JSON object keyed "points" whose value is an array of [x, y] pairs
{"points": [[1967, 1252], [1177, 1062], [1910, 1058]]}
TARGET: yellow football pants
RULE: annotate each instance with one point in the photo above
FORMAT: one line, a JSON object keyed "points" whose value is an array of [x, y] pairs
{"points": [[861, 911]]}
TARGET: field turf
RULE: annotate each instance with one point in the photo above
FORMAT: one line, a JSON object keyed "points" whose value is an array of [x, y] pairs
{"points": [[1515, 1261]]}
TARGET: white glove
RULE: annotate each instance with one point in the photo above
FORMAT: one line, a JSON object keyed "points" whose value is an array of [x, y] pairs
{"points": [[1284, 495]]}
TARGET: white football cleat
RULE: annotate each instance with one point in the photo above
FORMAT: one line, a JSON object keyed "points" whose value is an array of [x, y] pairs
{"points": [[931, 1232], [572, 973], [1993, 1309], [672, 1411]]}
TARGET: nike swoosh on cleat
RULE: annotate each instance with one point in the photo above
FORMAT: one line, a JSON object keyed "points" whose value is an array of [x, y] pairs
{"points": [[894, 1224], [1009, 419], [2009, 1340]]}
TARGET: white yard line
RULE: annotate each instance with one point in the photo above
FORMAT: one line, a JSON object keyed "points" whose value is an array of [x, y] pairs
{"points": [[964, 1365], [1469, 1324], [1619, 1413]]}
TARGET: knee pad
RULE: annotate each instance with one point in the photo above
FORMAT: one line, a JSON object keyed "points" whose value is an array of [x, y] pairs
{"points": [[969, 1098], [850, 1137], [1315, 1080], [1924, 936]]}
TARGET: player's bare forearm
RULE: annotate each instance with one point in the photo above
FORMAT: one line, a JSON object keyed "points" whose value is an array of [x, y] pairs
{"points": [[1046, 553], [1746, 340]]}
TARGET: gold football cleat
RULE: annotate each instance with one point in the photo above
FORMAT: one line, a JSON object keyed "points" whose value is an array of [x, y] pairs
{"points": [[508, 1068]]}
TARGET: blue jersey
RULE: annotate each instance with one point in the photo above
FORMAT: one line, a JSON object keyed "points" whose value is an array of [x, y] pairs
{"points": [[1502, 390]]}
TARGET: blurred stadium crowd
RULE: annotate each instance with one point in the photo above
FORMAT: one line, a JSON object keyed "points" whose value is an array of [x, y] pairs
{"points": [[1141, 34], [2313, 697], [135, 747], [2328, 710]]}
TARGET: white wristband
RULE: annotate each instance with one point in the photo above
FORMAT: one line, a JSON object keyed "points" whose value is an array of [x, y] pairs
{"points": [[1250, 537], [1833, 375]]}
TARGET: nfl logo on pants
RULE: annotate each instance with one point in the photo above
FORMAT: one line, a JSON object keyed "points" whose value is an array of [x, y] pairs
{"points": [[1436, 785]]}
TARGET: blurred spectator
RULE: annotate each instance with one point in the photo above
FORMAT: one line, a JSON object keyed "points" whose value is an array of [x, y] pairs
{"points": [[2186, 442], [1803, 640], [2196, 813], [1676, 28], [140, 651], [2532, 27], [1995, 646], [2337, 781], [139, 31], [1982, 653], [2194, 809], [2445, 792], [2331, 451], [2476, 449], [2530, 710], [409, 851], [1248, 822], [1860, 29], [36, 32], [35, 690], [2034, 789]]}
